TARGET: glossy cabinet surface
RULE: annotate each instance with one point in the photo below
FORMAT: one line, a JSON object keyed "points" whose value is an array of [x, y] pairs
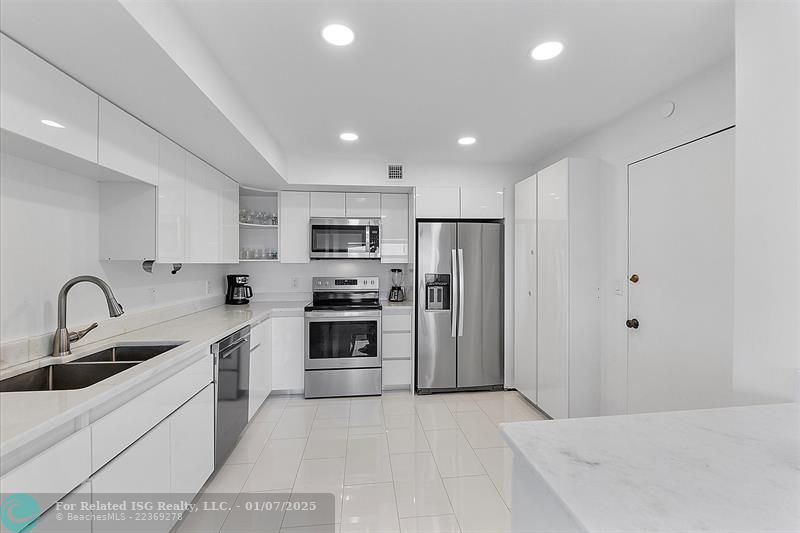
{"points": [[32, 90], [482, 202], [171, 210], [288, 349], [362, 204], [398, 347], [525, 290], [126, 145], [294, 215], [144, 467], [228, 198], [438, 202], [260, 366], [191, 446], [553, 283], [204, 234], [328, 204], [394, 228]]}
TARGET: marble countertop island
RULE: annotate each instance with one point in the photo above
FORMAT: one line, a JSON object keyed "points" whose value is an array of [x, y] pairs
{"points": [[727, 469]]}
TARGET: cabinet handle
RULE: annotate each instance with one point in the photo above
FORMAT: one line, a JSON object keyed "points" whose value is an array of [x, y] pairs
{"points": [[632, 323]]}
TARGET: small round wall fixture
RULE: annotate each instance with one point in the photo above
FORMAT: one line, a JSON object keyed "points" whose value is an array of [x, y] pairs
{"points": [[338, 34], [348, 136], [467, 141], [547, 50]]}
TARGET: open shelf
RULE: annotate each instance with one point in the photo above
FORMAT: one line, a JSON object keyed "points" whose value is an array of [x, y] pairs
{"points": [[257, 226]]}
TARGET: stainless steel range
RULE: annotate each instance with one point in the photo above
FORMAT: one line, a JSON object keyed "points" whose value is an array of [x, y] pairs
{"points": [[343, 338]]}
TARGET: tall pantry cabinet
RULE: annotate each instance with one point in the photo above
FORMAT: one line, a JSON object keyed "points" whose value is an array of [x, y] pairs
{"points": [[564, 322]]}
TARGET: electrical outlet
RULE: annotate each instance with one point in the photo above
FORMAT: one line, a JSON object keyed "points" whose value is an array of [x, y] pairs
{"points": [[208, 287], [295, 283]]}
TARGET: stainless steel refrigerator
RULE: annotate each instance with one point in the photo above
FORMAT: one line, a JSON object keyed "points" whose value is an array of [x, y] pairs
{"points": [[459, 305]]}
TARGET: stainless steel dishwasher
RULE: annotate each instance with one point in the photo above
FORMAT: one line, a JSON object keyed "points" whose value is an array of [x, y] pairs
{"points": [[231, 379]]}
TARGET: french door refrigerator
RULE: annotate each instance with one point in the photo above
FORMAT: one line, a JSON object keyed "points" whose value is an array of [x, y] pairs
{"points": [[459, 305]]}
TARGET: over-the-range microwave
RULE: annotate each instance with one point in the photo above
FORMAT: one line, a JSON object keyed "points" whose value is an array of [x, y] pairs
{"points": [[345, 238]]}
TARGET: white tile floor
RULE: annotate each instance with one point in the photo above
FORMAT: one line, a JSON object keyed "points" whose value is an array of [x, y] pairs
{"points": [[398, 463]]}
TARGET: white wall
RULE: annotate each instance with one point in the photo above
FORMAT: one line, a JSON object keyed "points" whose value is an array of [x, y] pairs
{"points": [[767, 235], [48, 234], [704, 103]]}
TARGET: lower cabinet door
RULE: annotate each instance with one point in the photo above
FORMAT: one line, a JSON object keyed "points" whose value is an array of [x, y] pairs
{"points": [[192, 443], [65, 516], [142, 468]]}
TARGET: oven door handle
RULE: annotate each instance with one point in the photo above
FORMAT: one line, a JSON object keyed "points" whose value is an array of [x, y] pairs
{"points": [[344, 315]]}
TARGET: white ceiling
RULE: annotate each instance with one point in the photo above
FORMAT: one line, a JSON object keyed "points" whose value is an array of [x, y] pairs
{"points": [[421, 74]]}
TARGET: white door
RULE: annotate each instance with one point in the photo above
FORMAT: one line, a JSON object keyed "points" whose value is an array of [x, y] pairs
{"points": [[482, 202], [327, 204], [681, 248], [192, 443], [525, 287], [438, 202], [394, 228], [362, 204], [552, 269]]}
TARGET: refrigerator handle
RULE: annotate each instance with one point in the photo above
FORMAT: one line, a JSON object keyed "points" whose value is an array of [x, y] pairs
{"points": [[454, 301], [460, 292]]}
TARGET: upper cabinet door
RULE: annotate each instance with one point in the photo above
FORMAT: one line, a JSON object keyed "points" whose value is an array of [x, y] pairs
{"points": [[33, 91], [394, 228], [127, 145], [362, 204], [438, 202], [171, 201], [482, 202], [327, 204], [203, 235], [294, 215], [229, 213]]}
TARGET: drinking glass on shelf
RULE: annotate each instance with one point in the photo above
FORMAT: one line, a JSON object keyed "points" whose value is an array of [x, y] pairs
{"points": [[273, 253]]}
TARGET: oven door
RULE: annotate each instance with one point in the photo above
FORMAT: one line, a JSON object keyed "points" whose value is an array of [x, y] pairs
{"points": [[344, 238], [342, 339]]}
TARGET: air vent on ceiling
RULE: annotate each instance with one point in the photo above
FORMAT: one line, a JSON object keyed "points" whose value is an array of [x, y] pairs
{"points": [[394, 171]]}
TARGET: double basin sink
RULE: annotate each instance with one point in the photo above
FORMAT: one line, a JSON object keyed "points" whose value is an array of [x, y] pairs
{"points": [[85, 371]]}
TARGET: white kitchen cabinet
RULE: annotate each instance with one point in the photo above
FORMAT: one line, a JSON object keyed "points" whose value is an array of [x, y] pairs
{"points": [[127, 221], [328, 204], [54, 472], [191, 447], [32, 90], [260, 366], [229, 218], [171, 203], [144, 467], [525, 291], [53, 520], [394, 228], [362, 204], [438, 202], [482, 202], [397, 347], [203, 232], [126, 145], [568, 281], [288, 349], [293, 220]]}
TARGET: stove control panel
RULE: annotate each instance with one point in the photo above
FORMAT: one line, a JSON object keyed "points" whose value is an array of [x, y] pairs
{"points": [[325, 283]]}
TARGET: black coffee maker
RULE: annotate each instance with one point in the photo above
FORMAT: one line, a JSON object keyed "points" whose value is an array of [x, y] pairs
{"points": [[238, 290]]}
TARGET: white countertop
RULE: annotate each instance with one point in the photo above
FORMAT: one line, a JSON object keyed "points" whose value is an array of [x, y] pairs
{"points": [[25, 417], [728, 469]]}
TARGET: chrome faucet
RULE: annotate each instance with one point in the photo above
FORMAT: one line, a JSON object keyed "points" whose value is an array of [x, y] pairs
{"points": [[63, 336]]}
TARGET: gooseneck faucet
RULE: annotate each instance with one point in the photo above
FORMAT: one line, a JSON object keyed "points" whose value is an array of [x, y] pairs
{"points": [[63, 336]]}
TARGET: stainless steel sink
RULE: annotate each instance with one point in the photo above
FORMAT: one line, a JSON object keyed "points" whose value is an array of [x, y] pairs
{"points": [[62, 377], [126, 353], [84, 371]]}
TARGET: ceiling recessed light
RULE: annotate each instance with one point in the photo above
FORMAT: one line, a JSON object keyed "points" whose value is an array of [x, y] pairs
{"points": [[51, 123], [348, 136], [547, 50], [338, 34], [466, 141]]}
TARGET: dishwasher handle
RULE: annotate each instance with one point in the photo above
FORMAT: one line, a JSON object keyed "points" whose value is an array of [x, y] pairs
{"points": [[224, 354]]}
